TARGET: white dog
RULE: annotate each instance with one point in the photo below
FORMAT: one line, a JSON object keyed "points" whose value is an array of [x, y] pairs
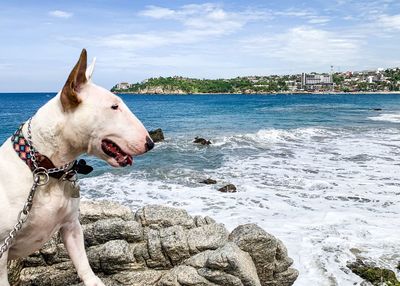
{"points": [[82, 118]]}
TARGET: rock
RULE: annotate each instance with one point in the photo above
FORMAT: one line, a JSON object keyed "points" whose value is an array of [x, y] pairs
{"points": [[160, 246], [183, 275], [228, 189], [109, 229], [208, 181], [174, 242], [92, 211], [227, 265], [157, 216], [157, 258], [201, 141], [373, 274], [232, 260], [157, 135], [206, 237], [114, 256], [268, 253], [14, 268], [200, 221], [138, 278], [61, 274]]}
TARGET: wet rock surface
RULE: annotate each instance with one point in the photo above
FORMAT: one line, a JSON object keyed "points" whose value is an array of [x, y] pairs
{"points": [[160, 246], [374, 275], [209, 181], [202, 141], [228, 189], [157, 135]]}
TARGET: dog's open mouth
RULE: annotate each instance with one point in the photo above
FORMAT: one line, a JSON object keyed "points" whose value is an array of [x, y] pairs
{"points": [[114, 151]]}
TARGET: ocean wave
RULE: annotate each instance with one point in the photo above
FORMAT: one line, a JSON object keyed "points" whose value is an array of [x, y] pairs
{"points": [[265, 137], [388, 117]]}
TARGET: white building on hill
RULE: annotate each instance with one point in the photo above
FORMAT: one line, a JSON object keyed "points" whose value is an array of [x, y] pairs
{"points": [[316, 81], [123, 85]]}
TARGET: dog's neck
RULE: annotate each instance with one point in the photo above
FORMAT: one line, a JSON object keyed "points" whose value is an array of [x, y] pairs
{"points": [[51, 135]]}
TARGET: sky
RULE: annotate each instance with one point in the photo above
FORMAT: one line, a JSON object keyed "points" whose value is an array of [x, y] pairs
{"points": [[133, 40]]}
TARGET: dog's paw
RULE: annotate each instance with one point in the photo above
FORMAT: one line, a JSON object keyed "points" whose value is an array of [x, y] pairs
{"points": [[95, 281]]}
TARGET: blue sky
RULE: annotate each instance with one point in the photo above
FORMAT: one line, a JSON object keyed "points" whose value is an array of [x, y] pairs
{"points": [[134, 40]]}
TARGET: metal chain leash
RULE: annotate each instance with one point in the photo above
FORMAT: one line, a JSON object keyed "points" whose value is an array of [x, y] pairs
{"points": [[22, 216], [40, 178]]}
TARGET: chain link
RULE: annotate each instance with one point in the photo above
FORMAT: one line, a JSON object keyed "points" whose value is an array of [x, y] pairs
{"points": [[22, 217], [40, 178], [31, 149]]}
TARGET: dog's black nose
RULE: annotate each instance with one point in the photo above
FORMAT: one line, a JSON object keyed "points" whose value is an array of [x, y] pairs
{"points": [[149, 144]]}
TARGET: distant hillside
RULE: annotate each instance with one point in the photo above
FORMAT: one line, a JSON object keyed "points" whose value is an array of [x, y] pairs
{"points": [[181, 85], [365, 81]]}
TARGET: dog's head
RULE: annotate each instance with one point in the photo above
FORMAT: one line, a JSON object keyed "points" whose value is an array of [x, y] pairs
{"points": [[99, 121]]}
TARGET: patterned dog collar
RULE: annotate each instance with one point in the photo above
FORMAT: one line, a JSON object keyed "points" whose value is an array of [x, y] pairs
{"points": [[23, 149]]}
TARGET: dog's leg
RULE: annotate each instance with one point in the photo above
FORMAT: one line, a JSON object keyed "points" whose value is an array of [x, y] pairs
{"points": [[72, 236], [3, 270]]}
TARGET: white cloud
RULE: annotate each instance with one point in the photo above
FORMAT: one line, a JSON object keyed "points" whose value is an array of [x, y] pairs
{"points": [[311, 17], [391, 22], [135, 42], [205, 16], [200, 23], [60, 14], [306, 45], [318, 20], [157, 12]]}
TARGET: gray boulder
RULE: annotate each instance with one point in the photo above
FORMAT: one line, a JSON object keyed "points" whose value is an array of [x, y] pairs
{"points": [[268, 253], [160, 246]]}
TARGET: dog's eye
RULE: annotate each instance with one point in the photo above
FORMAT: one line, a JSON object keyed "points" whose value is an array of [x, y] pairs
{"points": [[114, 106]]}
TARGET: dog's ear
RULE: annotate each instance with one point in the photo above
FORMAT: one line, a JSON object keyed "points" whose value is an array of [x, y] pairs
{"points": [[77, 78], [90, 69]]}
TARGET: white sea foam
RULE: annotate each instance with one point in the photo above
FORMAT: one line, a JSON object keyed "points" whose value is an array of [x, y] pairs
{"points": [[387, 117], [322, 191]]}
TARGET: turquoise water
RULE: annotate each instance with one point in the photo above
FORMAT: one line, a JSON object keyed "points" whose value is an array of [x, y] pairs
{"points": [[321, 172]]}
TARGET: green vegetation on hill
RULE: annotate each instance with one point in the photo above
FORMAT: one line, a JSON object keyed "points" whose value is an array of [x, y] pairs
{"points": [[365, 81], [191, 85]]}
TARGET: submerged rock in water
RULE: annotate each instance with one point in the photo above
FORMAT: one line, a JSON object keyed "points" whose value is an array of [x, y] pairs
{"points": [[157, 135], [201, 141], [228, 189], [208, 181], [161, 246], [375, 275]]}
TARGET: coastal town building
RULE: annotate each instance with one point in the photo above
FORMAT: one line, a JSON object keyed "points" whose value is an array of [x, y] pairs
{"points": [[316, 81], [123, 85]]}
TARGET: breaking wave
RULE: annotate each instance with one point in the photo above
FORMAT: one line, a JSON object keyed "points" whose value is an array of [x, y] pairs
{"points": [[395, 118]]}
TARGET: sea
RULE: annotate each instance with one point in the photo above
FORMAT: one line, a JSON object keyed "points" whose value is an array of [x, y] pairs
{"points": [[319, 171]]}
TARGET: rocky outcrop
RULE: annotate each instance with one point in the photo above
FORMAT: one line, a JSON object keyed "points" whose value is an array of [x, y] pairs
{"points": [[157, 135], [161, 246], [373, 274], [202, 141], [208, 181], [230, 188]]}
